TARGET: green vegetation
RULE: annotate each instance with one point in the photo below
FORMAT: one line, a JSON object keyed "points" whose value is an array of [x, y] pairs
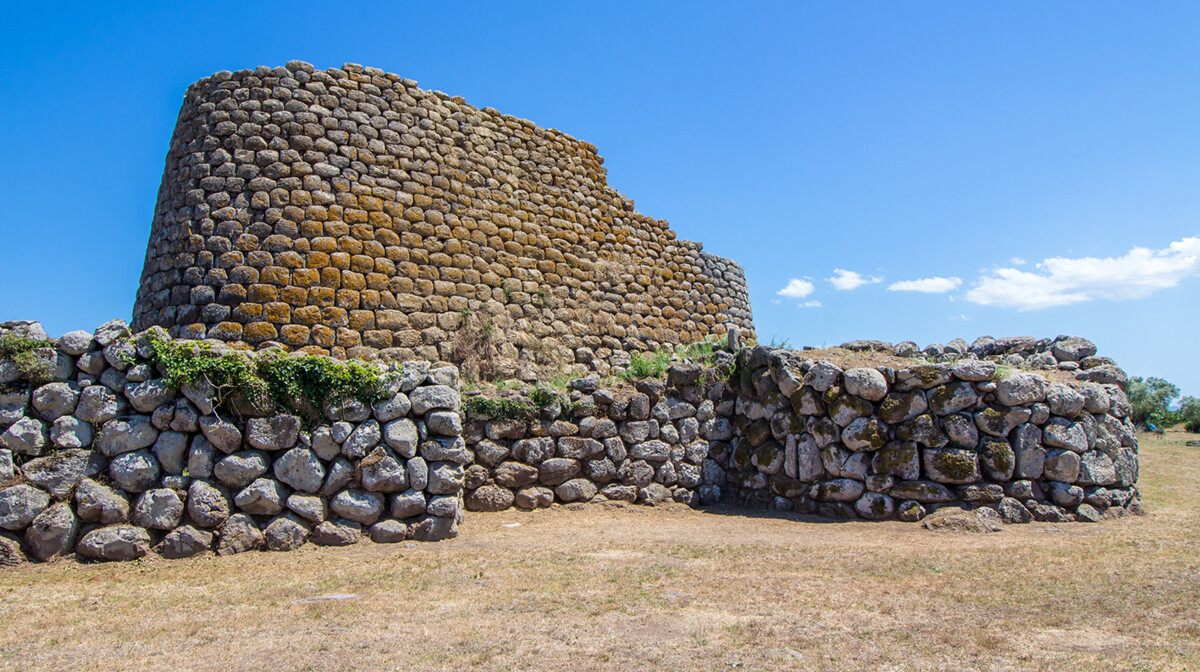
{"points": [[648, 365], [294, 384], [527, 409], [1189, 412], [23, 353], [1151, 399]]}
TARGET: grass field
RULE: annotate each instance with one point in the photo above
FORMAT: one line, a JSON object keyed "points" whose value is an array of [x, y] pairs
{"points": [[603, 588]]}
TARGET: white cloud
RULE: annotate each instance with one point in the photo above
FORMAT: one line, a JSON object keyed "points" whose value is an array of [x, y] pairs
{"points": [[797, 289], [811, 304], [926, 285], [961, 316], [1017, 261], [847, 280], [1060, 281]]}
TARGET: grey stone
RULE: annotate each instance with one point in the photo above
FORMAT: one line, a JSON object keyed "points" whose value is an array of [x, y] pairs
{"points": [[158, 509], [1065, 494], [60, 472], [446, 449], [516, 474], [578, 448], [654, 494], [536, 497], [347, 410], [99, 504], [185, 542], [238, 535], [111, 331], [822, 375], [120, 543], [490, 453], [612, 492], [360, 442], [149, 395], [114, 379], [1013, 512], [875, 506], [504, 428], [76, 342], [925, 492], [124, 435], [201, 393], [207, 505], [434, 397], [308, 507], [910, 511], [285, 533], [981, 520], [359, 506], [171, 451], [1095, 398], [408, 504], [92, 363], [201, 458], [13, 405], [240, 469], [97, 405], [341, 473], [489, 498], [382, 472], [651, 451], [389, 532], [120, 354], [55, 400], [1064, 401], [1062, 433], [443, 506], [336, 533], [898, 407], [418, 473], [278, 432], [300, 469], [924, 430], [433, 528], [1096, 468], [985, 493], [837, 490], [865, 435], [556, 471], [974, 370], [899, 459], [1073, 349], [401, 435], [52, 532], [263, 497], [323, 444], [70, 432], [1062, 466], [866, 383], [960, 429], [1000, 421], [952, 398], [222, 434], [922, 376], [390, 409], [997, 459], [1086, 513], [1020, 389], [575, 490], [7, 470], [951, 465], [134, 472], [445, 423], [26, 436]]}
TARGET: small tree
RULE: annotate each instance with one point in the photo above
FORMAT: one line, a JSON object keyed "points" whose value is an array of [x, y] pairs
{"points": [[1150, 399], [1189, 408]]}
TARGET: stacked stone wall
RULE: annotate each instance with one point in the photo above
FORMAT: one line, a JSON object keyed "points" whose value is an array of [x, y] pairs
{"points": [[347, 211], [108, 461]]}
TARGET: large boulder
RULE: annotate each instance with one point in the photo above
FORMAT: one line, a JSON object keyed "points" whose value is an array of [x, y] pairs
{"points": [[1021, 389], [433, 397], [278, 432], [222, 434], [120, 542], [240, 469], [52, 532], [125, 435], [263, 497], [55, 400], [97, 405], [359, 506], [26, 436], [239, 534], [60, 472], [286, 533], [158, 509], [866, 383], [99, 504], [20, 504], [301, 469], [149, 395], [185, 542], [134, 472], [207, 505], [490, 498]]}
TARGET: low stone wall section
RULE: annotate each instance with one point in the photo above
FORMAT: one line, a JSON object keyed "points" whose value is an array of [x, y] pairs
{"points": [[109, 462]]}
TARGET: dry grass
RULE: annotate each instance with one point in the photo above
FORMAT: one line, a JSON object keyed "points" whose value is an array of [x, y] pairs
{"points": [[614, 589]]}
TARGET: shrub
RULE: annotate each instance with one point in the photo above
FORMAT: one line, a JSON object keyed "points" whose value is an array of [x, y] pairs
{"points": [[650, 365], [1150, 399], [1189, 408], [297, 384]]}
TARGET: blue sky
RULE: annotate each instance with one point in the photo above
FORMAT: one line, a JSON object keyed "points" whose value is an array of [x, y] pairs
{"points": [[912, 171]]}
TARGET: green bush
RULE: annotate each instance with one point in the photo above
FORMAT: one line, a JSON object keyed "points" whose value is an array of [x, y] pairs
{"points": [[295, 384], [1189, 409], [1150, 399], [649, 365]]}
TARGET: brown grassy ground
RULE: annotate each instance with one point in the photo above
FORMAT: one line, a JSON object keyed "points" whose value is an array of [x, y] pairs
{"points": [[614, 589]]}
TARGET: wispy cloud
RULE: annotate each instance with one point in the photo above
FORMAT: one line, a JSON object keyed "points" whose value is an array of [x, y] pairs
{"points": [[847, 280], [811, 304], [1061, 281], [797, 289], [1017, 261], [926, 285]]}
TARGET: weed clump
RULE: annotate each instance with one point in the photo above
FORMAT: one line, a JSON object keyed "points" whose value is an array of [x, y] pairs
{"points": [[23, 352], [299, 385]]}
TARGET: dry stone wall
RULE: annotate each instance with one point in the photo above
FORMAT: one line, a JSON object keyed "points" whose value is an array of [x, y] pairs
{"points": [[109, 462], [347, 211]]}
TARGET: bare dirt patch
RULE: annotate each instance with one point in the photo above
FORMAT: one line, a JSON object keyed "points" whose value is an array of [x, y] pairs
{"points": [[610, 588]]}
